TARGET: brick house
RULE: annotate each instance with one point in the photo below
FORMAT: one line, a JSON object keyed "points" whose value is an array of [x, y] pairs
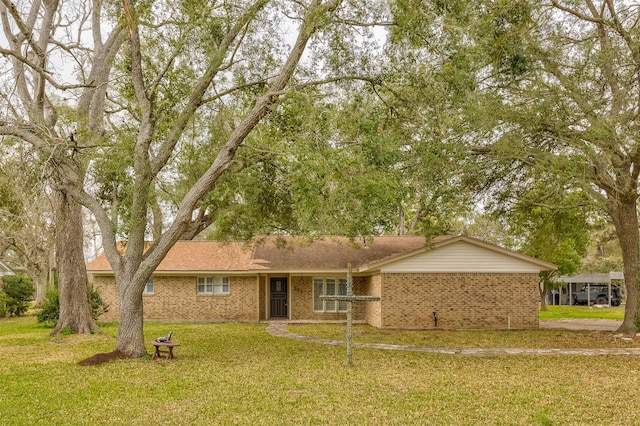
{"points": [[467, 282]]}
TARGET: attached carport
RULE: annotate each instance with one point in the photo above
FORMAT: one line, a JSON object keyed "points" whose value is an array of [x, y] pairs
{"points": [[575, 283]]}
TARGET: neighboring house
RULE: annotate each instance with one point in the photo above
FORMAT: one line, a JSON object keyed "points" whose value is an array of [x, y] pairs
{"points": [[468, 283], [4, 271]]}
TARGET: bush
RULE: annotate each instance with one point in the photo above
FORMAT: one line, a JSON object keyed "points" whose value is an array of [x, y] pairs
{"points": [[50, 309], [18, 292], [3, 304], [98, 306]]}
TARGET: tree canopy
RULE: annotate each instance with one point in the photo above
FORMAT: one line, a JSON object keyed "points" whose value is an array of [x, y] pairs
{"points": [[550, 94]]}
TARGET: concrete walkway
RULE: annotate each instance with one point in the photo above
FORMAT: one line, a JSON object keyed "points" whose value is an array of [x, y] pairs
{"points": [[279, 329]]}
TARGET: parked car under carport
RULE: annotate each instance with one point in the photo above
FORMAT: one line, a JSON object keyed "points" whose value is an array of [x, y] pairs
{"points": [[598, 294]]}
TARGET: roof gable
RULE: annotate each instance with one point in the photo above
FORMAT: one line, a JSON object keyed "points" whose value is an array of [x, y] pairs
{"points": [[462, 254]]}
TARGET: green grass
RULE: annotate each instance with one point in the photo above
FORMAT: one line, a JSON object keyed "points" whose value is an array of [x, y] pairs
{"points": [[561, 339], [239, 374], [560, 312]]}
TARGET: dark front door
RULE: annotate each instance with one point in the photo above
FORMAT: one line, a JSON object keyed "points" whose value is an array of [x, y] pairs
{"points": [[278, 297]]}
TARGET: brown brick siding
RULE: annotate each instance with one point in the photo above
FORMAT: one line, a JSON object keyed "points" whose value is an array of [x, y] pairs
{"points": [[462, 301], [373, 309], [262, 297], [175, 299], [107, 288]]}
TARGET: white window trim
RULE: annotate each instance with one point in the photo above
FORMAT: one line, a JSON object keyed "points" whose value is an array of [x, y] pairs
{"points": [[211, 283], [340, 307]]}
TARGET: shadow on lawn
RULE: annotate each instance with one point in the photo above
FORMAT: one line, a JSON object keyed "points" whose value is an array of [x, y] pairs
{"points": [[102, 358]]}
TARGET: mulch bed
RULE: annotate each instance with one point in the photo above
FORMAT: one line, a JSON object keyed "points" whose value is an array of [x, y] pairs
{"points": [[102, 358]]}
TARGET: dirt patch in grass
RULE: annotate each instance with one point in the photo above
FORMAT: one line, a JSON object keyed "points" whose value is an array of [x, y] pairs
{"points": [[102, 358]]}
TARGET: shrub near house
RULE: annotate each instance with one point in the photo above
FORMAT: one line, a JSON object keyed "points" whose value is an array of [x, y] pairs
{"points": [[50, 310]]}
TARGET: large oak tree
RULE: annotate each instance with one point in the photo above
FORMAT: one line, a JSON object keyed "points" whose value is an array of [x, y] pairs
{"points": [[550, 88], [170, 77], [43, 46]]}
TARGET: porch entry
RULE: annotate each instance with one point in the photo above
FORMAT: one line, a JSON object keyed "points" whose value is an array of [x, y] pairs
{"points": [[278, 298]]}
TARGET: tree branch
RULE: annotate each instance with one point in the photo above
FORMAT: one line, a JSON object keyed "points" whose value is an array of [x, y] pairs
{"points": [[314, 16], [576, 13], [197, 95]]}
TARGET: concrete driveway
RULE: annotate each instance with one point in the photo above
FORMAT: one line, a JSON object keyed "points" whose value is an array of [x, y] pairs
{"points": [[581, 324]]}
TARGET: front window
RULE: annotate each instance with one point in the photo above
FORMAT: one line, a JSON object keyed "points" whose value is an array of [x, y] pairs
{"points": [[148, 288], [329, 287], [213, 285]]}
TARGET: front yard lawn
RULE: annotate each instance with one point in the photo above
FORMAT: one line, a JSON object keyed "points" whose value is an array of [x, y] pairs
{"points": [[564, 311], [238, 374]]}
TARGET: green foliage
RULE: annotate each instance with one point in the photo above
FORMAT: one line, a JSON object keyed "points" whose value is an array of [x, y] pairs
{"points": [[503, 29], [18, 292], [3, 304], [558, 235], [98, 306], [50, 309], [312, 167], [551, 107]]}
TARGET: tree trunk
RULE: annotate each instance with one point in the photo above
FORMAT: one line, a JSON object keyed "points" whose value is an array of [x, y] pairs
{"points": [[130, 330], [40, 280], [75, 308], [543, 285], [625, 218], [543, 295]]}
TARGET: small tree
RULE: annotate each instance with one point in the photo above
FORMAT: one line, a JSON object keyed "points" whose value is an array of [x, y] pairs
{"points": [[557, 233], [18, 292]]}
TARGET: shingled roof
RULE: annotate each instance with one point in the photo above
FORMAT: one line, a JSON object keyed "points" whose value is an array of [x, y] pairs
{"points": [[198, 256], [333, 253], [269, 254]]}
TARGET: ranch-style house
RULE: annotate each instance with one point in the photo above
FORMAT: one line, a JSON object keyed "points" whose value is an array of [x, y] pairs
{"points": [[465, 282]]}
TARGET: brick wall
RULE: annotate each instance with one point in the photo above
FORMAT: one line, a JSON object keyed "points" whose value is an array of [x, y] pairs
{"points": [[175, 299], [107, 288], [262, 295], [462, 301], [373, 312]]}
